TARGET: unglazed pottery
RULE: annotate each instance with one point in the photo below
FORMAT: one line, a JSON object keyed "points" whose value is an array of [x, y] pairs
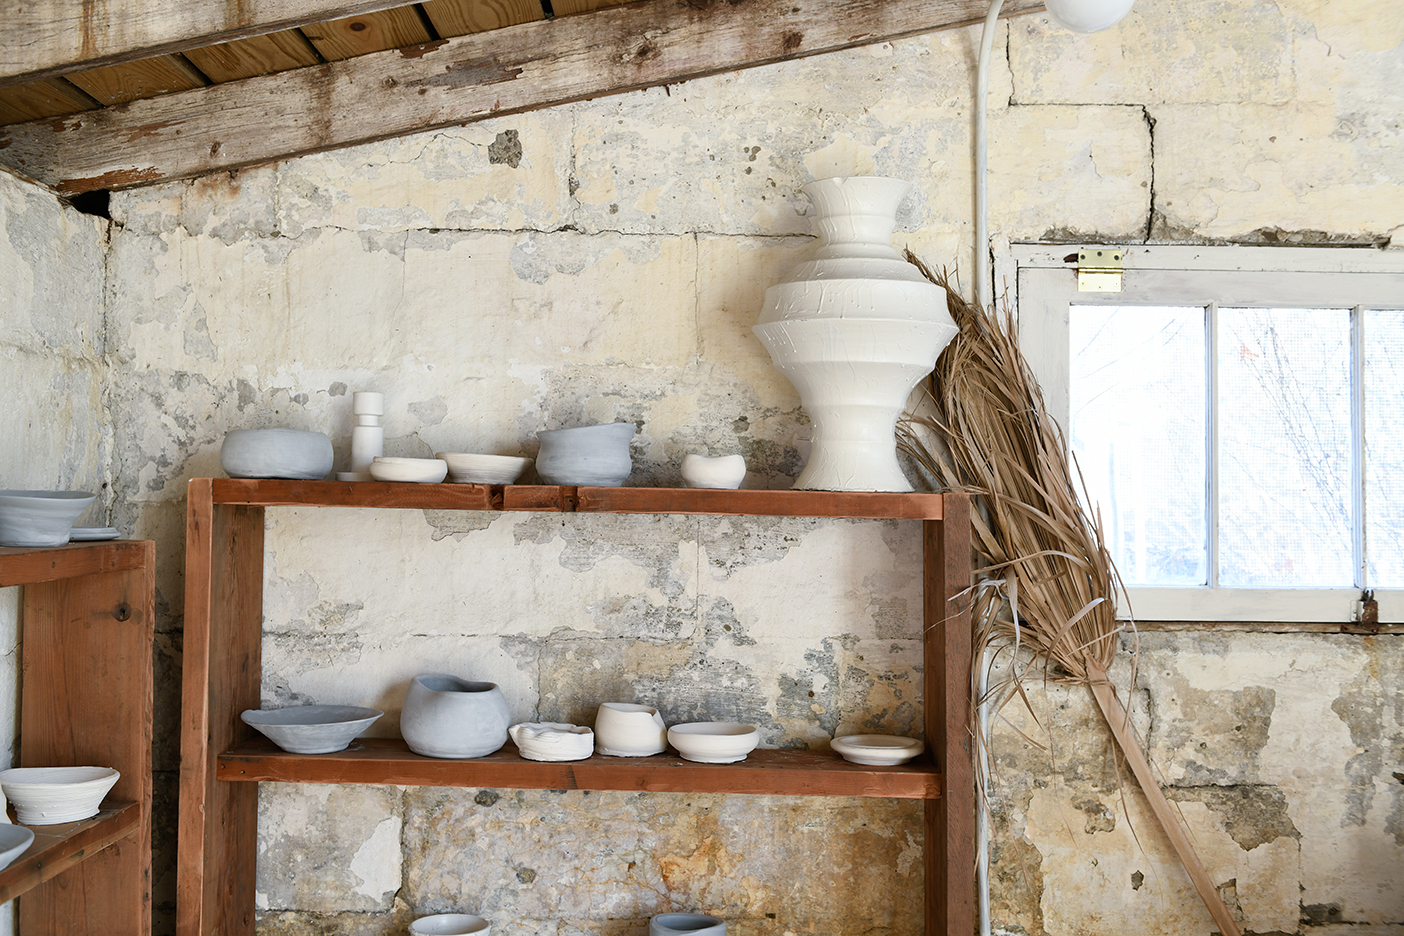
{"points": [[312, 729], [855, 329], [417, 470], [553, 741], [690, 924], [276, 453], [714, 742], [877, 750], [467, 468], [40, 518], [450, 924], [623, 729], [445, 716], [92, 534], [367, 435], [49, 795], [595, 456], [13, 842], [722, 471]]}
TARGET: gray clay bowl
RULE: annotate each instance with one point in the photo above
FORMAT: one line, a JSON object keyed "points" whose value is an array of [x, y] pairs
{"points": [[276, 453], [40, 518], [312, 729], [14, 839], [692, 924], [591, 456]]}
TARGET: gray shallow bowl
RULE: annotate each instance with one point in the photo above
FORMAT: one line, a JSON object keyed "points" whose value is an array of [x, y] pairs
{"points": [[312, 729], [14, 839], [276, 453], [40, 518]]}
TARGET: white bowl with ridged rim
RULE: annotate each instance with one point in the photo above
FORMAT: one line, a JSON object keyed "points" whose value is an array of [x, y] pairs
{"points": [[714, 742], [49, 795], [416, 470], [470, 468], [877, 750]]}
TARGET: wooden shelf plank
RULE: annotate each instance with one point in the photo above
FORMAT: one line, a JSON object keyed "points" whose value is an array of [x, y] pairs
{"points": [[545, 497], [59, 847], [389, 761], [23, 565]]}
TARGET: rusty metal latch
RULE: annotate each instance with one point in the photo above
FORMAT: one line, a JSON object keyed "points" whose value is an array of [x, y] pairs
{"points": [[1099, 269]]}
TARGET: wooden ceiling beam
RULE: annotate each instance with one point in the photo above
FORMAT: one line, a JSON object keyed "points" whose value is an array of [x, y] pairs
{"points": [[46, 38], [453, 81]]}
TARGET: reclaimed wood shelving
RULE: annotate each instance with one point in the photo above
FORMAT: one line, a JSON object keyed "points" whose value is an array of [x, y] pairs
{"points": [[221, 757], [88, 618]]}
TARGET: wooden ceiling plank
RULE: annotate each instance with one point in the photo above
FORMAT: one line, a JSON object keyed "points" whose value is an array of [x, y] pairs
{"points": [[47, 97], [461, 17], [259, 55], [45, 38], [362, 35], [117, 84], [454, 81], [569, 7]]}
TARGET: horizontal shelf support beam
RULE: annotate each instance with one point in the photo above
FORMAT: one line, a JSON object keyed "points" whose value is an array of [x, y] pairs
{"points": [[57, 848], [23, 565]]}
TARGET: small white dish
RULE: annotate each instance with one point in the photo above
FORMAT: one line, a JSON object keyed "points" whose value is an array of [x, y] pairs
{"points": [[467, 468], [92, 534], [623, 729], [49, 795], [877, 750], [552, 741], [450, 924], [14, 839], [714, 742], [418, 470], [312, 729], [723, 471]]}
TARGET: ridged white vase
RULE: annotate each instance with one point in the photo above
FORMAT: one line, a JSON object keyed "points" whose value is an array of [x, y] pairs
{"points": [[854, 329]]}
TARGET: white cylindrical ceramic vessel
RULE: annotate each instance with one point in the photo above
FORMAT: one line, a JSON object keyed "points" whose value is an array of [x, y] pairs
{"points": [[444, 716], [623, 729], [367, 436], [854, 329], [686, 924]]}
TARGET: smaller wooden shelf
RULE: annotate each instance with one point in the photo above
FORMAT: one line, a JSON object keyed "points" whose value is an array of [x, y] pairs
{"points": [[57, 848], [389, 761]]}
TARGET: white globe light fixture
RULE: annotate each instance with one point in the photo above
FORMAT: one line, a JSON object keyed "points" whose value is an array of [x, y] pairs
{"points": [[1087, 16]]}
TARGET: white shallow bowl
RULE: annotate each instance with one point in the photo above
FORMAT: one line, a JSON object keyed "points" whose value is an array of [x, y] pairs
{"points": [[877, 750], [691, 924], [552, 741], [276, 453], [312, 729], [40, 518], [47, 795], [14, 839], [450, 924], [467, 468], [714, 742], [723, 471], [419, 470]]}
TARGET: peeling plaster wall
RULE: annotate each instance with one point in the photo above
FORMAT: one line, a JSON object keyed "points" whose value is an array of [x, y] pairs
{"points": [[605, 261]]}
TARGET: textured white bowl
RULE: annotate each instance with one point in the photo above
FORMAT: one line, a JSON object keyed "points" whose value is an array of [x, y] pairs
{"points": [[48, 795], [418, 470], [276, 453], [623, 729], [40, 518], [312, 729], [714, 742], [467, 468], [14, 839], [723, 471], [552, 741], [450, 924], [877, 750]]}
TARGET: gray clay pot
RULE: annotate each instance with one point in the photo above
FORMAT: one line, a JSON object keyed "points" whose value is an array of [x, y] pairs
{"points": [[276, 453], [40, 518], [686, 924], [445, 716], [594, 456]]}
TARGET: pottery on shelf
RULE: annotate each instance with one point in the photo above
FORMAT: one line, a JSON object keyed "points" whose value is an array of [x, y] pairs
{"points": [[276, 453], [444, 716], [50, 795], [40, 518], [450, 924], [594, 456], [417, 470], [467, 468], [14, 840], [714, 742], [690, 924], [552, 741], [367, 435], [877, 750], [854, 329], [312, 729], [623, 729], [722, 471]]}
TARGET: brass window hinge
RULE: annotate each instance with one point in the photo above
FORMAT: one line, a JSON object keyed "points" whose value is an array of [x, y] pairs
{"points": [[1099, 269]]}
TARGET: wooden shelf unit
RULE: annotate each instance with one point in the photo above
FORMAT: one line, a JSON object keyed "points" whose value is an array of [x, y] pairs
{"points": [[221, 757], [88, 620]]}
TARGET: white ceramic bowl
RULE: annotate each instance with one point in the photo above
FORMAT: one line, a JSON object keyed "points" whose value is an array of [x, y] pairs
{"points": [[714, 742], [552, 741], [466, 468], [419, 470], [450, 924], [723, 471], [276, 453], [691, 924], [14, 840], [48, 795], [586, 455], [877, 750], [40, 518], [312, 729], [623, 729]]}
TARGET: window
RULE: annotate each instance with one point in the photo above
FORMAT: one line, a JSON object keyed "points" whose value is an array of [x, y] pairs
{"points": [[1238, 418]]}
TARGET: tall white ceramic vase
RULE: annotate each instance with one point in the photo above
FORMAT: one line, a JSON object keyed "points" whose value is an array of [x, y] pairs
{"points": [[854, 329]]}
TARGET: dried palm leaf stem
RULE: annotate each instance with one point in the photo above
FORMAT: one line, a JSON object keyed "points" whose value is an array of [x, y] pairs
{"points": [[1048, 585]]}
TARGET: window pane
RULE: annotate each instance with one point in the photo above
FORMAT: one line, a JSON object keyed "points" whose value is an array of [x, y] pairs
{"points": [[1284, 448], [1384, 449], [1139, 433]]}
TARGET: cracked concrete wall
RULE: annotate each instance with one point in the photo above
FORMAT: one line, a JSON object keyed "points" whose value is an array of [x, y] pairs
{"points": [[605, 261]]}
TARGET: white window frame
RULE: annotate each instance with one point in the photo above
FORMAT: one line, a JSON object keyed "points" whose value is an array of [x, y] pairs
{"points": [[1041, 282]]}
